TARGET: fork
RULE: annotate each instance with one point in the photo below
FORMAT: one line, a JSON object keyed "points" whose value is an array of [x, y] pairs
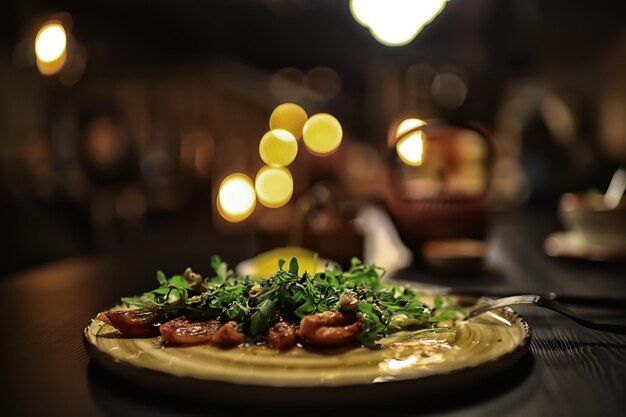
{"points": [[539, 301]]}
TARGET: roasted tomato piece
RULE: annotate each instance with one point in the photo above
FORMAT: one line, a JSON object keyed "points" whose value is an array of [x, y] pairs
{"points": [[281, 336], [180, 332], [330, 328], [135, 323], [228, 336], [103, 317]]}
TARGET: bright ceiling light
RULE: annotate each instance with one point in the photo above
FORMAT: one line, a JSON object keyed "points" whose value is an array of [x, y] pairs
{"points": [[364, 11], [395, 22]]}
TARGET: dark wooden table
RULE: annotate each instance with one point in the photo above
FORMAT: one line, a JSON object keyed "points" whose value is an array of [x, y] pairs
{"points": [[570, 370]]}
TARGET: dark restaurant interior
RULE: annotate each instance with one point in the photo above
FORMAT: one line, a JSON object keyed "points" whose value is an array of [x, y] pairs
{"points": [[480, 147]]}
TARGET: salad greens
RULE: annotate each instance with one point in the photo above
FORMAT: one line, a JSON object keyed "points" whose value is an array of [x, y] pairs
{"points": [[257, 304]]}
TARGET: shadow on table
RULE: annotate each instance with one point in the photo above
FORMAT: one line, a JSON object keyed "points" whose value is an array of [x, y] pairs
{"points": [[115, 397]]}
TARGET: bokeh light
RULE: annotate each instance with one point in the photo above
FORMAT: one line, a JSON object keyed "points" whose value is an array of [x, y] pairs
{"points": [[395, 22], [236, 198], [408, 124], [363, 11], [290, 117], [274, 186], [278, 148], [50, 43], [322, 133], [410, 148], [51, 68], [51, 48]]}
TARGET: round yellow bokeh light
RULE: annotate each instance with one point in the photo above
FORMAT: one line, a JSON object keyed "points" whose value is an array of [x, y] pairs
{"points": [[278, 148], [408, 124], [289, 116], [236, 198], [410, 148], [274, 186], [322, 133]]}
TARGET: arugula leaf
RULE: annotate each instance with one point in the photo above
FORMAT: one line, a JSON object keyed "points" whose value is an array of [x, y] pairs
{"points": [[305, 309], [262, 318], [222, 272], [372, 328], [293, 266], [449, 313], [171, 290], [161, 278]]}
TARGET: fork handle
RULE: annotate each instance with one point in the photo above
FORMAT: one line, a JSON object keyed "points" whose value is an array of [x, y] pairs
{"points": [[560, 308]]}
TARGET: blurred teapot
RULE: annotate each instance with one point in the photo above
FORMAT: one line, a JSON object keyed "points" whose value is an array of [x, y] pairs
{"points": [[437, 180]]}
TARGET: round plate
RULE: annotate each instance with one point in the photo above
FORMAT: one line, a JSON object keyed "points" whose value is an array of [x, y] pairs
{"points": [[409, 365]]}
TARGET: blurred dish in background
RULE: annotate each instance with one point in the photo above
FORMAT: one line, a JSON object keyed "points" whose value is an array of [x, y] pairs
{"points": [[588, 215], [266, 263], [596, 232], [571, 244]]}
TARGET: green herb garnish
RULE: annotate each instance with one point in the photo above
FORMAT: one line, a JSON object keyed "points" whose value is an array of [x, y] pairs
{"points": [[288, 295]]}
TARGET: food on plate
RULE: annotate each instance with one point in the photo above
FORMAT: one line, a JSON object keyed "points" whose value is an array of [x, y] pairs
{"points": [[326, 309]]}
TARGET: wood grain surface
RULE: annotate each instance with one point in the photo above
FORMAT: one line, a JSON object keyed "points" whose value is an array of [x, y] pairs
{"points": [[570, 370]]}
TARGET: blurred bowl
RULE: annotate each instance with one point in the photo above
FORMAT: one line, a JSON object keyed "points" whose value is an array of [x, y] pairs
{"points": [[597, 224]]}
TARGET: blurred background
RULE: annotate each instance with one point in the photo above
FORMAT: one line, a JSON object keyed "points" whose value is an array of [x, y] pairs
{"points": [[117, 129]]}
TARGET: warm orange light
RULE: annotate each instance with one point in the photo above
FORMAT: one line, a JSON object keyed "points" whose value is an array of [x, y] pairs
{"points": [[50, 42], [50, 68], [408, 124], [236, 198], [51, 48], [410, 148], [274, 186]]}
